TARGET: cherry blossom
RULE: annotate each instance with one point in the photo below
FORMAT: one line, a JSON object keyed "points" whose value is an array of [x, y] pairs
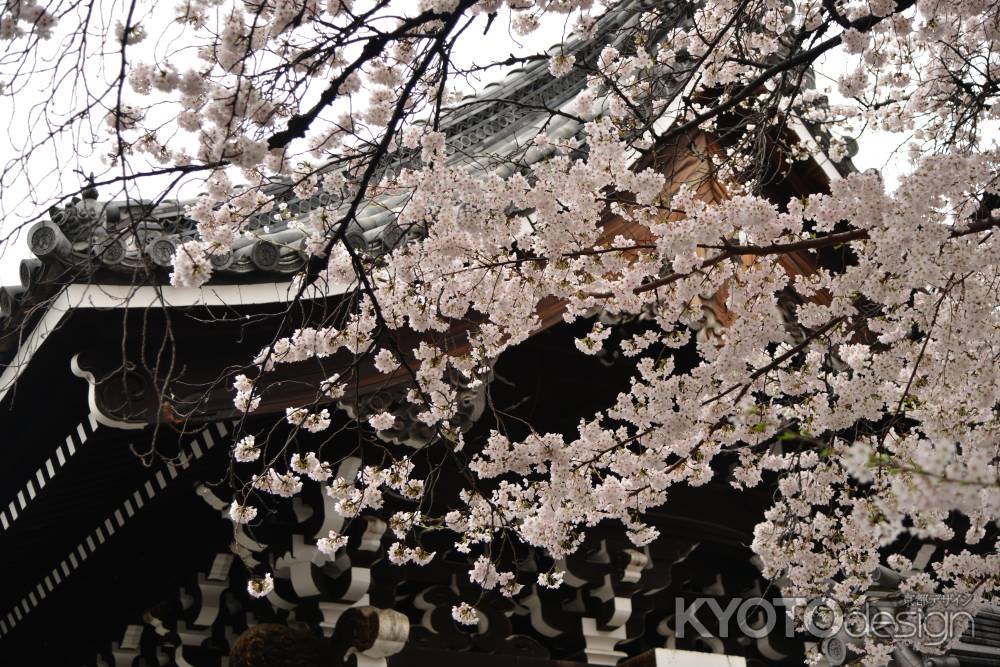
{"points": [[551, 579], [332, 543], [382, 421], [862, 391], [261, 586], [246, 450], [465, 614], [242, 513]]}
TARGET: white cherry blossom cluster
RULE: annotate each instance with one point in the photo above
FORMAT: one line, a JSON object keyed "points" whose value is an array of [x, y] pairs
{"points": [[314, 422], [332, 543], [871, 404], [24, 17]]}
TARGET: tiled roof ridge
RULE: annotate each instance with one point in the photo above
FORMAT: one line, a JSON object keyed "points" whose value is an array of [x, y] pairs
{"points": [[90, 234], [90, 237]]}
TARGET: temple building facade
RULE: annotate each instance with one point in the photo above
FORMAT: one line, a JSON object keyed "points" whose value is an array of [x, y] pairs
{"points": [[117, 412]]}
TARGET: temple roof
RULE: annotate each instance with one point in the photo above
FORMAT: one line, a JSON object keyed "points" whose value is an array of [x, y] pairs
{"points": [[487, 132], [95, 242], [87, 253], [99, 243]]}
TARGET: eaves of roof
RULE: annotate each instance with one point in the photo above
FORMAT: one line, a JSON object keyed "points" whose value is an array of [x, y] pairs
{"points": [[92, 255]]}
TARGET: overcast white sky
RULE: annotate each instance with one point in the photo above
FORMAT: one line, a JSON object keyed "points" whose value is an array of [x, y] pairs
{"points": [[72, 151]]}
